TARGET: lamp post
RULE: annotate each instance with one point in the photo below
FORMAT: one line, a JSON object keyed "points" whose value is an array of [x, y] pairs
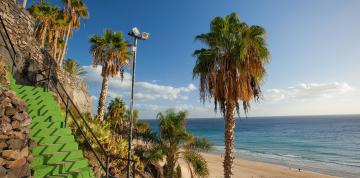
{"points": [[135, 33]]}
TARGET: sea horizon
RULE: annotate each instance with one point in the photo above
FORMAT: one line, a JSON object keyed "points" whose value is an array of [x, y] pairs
{"points": [[271, 116], [326, 144]]}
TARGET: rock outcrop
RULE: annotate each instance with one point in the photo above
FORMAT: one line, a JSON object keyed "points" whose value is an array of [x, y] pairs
{"points": [[31, 58], [14, 136]]}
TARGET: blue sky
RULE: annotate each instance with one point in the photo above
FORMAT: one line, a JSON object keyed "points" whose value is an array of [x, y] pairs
{"points": [[314, 44]]}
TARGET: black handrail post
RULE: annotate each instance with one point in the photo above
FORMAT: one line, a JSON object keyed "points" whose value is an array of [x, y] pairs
{"points": [[107, 166], [12, 67], [67, 111], [49, 75], [134, 169]]}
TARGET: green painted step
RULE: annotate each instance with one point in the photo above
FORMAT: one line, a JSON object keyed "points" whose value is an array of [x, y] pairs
{"points": [[54, 139], [53, 149], [44, 132], [39, 125], [62, 167], [46, 119], [70, 169], [57, 154], [81, 173]]}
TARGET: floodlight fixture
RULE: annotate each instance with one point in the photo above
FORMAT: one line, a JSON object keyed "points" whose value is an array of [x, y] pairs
{"points": [[135, 31], [145, 36]]}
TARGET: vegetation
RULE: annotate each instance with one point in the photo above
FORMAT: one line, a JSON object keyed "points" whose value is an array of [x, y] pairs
{"points": [[54, 26], [73, 67], [172, 143], [231, 70], [57, 31], [45, 14], [112, 136], [111, 52], [75, 10], [113, 144]]}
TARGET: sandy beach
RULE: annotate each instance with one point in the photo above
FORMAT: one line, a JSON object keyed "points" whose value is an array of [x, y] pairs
{"points": [[252, 169]]}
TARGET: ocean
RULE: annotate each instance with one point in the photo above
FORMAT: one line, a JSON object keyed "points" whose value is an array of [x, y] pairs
{"points": [[324, 144]]}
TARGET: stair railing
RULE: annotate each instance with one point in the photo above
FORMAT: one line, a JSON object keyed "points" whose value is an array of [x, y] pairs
{"points": [[8, 44], [51, 82]]}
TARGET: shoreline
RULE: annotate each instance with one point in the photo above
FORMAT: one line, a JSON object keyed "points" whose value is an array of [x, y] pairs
{"points": [[244, 168]]}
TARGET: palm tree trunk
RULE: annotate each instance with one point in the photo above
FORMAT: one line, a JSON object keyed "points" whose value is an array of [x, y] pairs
{"points": [[170, 166], [55, 44], [24, 4], [102, 99], [229, 139], [43, 35], [65, 44]]}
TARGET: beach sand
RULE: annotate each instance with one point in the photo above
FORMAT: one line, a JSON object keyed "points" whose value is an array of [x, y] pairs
{"points": [[252, 169]]}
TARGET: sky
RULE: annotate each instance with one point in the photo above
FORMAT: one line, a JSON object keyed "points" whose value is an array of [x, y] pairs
{"points": [[314, 46]]}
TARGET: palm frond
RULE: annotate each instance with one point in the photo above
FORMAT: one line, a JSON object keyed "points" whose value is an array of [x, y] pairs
{"points": [[197, 163]]}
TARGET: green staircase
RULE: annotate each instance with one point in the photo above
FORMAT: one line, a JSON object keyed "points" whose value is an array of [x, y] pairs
{"points": [[57, 153]]}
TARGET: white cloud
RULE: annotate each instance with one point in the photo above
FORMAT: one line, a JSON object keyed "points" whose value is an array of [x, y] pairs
{"points": [[94, 97], [144, 90], [303, 91], [300, 99]]}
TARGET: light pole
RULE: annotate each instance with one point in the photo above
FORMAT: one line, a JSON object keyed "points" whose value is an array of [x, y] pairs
{"points": [[135, 33]]}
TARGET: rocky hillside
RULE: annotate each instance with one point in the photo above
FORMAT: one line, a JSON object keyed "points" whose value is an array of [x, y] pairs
{"points": [[14, 136]]}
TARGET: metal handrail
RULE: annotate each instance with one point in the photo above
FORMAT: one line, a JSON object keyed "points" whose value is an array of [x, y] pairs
{"points": [[67, 104], [53, 81], [105, 167], [13, 57]]}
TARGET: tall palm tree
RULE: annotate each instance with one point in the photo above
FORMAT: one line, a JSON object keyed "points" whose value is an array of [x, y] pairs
{"points": [[174, 143], [111, 52], [24, 2], [231, 70], [45, 15], [76, 10], [73, 67], [57, 29]]}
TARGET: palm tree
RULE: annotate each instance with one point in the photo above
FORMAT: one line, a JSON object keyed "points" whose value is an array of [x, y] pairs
{"points": [[24, 2], [116, 114], [111, 52], [76, 10], [173, 142], [45, 14], [231, 70], [73, 67], [59, 46], [57, 29]]}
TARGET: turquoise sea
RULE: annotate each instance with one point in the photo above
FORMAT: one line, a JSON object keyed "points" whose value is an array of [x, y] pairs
{"points": [[325, 144]]}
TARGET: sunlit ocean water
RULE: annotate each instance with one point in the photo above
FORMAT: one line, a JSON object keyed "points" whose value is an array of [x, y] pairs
{"points": [[325, 144]]}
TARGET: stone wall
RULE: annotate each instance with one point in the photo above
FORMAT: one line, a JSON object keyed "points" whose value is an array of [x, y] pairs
{"points": [[14, 136], [31, 58]]}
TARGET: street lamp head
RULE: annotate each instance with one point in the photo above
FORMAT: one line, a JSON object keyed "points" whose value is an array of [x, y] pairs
{"points": [[145, 36], [135, 31]]}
